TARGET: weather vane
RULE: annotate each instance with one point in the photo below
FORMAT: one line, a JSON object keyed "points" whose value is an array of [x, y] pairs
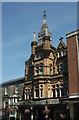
{"points": [[44, 15]]}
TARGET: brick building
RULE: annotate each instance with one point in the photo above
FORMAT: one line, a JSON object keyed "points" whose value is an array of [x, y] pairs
{"points": [[50, 88]]}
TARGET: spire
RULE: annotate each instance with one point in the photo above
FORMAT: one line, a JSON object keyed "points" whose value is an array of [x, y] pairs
{"points": [[34, 38], [44, 29], [44, 26]]}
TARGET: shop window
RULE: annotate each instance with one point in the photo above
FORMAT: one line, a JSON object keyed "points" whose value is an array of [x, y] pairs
{"points": [[36, 91], [6, 91], [41, 90]]}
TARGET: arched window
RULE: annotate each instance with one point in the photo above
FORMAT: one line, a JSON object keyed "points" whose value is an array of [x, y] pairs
{"points": [[41, 90], [53, 90], [36, 91], [57, 91]]}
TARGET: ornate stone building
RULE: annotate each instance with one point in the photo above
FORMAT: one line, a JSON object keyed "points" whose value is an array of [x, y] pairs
{"points": [[46, 72]]}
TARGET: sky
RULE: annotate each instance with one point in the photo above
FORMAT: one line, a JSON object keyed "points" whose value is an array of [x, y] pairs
{"points": [[20, 20]]}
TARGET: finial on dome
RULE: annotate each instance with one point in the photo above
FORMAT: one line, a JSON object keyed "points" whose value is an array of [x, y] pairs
{"points": [[34, 37], [44, 15]]}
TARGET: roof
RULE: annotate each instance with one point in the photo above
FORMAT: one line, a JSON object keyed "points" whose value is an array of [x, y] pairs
{"points": [[44, 25], [13, 81]]}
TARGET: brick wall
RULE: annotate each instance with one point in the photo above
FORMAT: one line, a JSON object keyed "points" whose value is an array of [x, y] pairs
{"points": [[72, 65]]}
